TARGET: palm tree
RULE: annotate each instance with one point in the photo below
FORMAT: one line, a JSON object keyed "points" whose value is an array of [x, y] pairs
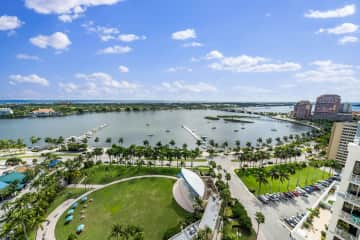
{"points": [[260, 219], [121, 140], [261, 178], [273, 174], [283, 176], [117, 231], [72, 237]]}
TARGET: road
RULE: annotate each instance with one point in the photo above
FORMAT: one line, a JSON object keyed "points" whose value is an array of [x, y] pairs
{"points": [[272, 229]]}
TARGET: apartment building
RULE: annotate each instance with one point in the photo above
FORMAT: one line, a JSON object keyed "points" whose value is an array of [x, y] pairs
{"points": [[342, 134], [345, 219]]}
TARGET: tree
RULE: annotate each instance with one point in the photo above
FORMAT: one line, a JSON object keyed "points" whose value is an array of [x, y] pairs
{"points": [[260, 219], [204, 234], [261, 177], [227, 177], [72, 237]]}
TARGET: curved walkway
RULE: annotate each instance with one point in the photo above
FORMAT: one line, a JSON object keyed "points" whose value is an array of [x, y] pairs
{"points": [[47, 229]]}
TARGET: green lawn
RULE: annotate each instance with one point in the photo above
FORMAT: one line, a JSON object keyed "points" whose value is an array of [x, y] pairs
{"points": [[314, 175], [147, 203], [105, 173]]}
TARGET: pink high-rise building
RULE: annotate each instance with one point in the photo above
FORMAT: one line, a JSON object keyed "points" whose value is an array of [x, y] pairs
{"points": [[302, 110]]}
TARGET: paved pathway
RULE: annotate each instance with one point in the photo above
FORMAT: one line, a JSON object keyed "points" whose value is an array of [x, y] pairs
{"points": [[273, 229], [47, 230]]}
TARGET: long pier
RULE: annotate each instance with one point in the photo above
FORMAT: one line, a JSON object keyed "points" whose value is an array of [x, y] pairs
{"points": [[192, 133]]}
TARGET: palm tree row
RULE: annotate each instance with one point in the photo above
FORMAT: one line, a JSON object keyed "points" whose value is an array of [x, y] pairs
{"points": [[152, 155]]}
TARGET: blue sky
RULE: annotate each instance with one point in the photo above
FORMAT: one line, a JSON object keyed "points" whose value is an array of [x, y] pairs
{"points": [[232, 50]]}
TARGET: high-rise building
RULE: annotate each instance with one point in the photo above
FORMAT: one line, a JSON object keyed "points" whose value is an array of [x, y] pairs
{"points": [[327, 106], [342, 134], [302, 110], [346, 108], [345, 219]]}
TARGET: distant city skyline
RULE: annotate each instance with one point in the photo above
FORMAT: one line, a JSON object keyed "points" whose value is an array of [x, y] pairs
{"points": [[236, 51]]}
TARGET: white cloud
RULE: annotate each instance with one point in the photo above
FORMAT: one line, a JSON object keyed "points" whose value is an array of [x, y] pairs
{"points": [[184, 34], [180, 86], [178, 69], [130, 37], [115, 50], [328, 71], [193, 44], [106, 81], [8, 23], [67, 10], [246, 63], [24, 56], [103, 32], [123, 69], [215, 54], [58, 41], [348, 39], [32, 79], [341, 29], [345, 11]]}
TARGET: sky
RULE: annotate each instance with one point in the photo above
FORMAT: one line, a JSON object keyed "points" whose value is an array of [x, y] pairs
{"points": [[203, 50]]}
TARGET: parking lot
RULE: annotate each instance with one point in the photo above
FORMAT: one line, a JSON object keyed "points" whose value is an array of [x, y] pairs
{"points": [[294, 203]]}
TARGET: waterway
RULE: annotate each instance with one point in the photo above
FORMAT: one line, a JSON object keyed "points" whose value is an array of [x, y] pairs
{"points": [[135, 127]]}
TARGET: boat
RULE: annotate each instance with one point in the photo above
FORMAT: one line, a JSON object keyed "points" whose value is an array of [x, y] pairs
{"points": [[274, 129], [242, 128], [150, 135], [204, 138], [213, 128], [167, 130], [236, 130], [148, 124]]}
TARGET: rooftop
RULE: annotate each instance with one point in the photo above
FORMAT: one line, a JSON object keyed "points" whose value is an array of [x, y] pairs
{"points": [[44, 110], [194, 181]]}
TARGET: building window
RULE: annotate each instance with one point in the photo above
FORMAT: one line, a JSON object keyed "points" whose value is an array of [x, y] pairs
{"points": [[356, 170]]}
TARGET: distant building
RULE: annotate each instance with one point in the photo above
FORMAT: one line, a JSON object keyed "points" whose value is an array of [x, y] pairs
{"points": [[302, 110], [346, 108], [43, 112], [327, 107], [345, 218], [6, 111], [342, 134]]}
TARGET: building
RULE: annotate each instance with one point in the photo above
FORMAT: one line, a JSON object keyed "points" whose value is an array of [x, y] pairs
{"points": [[302, 110], [187, 188], [346, 108], [328, 107], [342, 134], [6, 111], [43, 112], [345, 219]]}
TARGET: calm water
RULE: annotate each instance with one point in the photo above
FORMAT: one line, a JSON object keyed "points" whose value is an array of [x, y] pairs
{"points": [[133, 127]]}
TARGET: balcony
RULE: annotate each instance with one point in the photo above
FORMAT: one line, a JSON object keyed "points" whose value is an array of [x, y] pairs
{"points": [[350, 218], [355, 179], [344, 234], [352, 199]]}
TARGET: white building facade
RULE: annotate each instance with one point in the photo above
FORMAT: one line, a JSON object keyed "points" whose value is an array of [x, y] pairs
{"points": [[6, 111], [345, 219]]}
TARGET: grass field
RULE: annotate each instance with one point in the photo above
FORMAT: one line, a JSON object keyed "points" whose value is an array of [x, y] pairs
{"points": [[314, 175], [147, 203], [105, 173]]}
